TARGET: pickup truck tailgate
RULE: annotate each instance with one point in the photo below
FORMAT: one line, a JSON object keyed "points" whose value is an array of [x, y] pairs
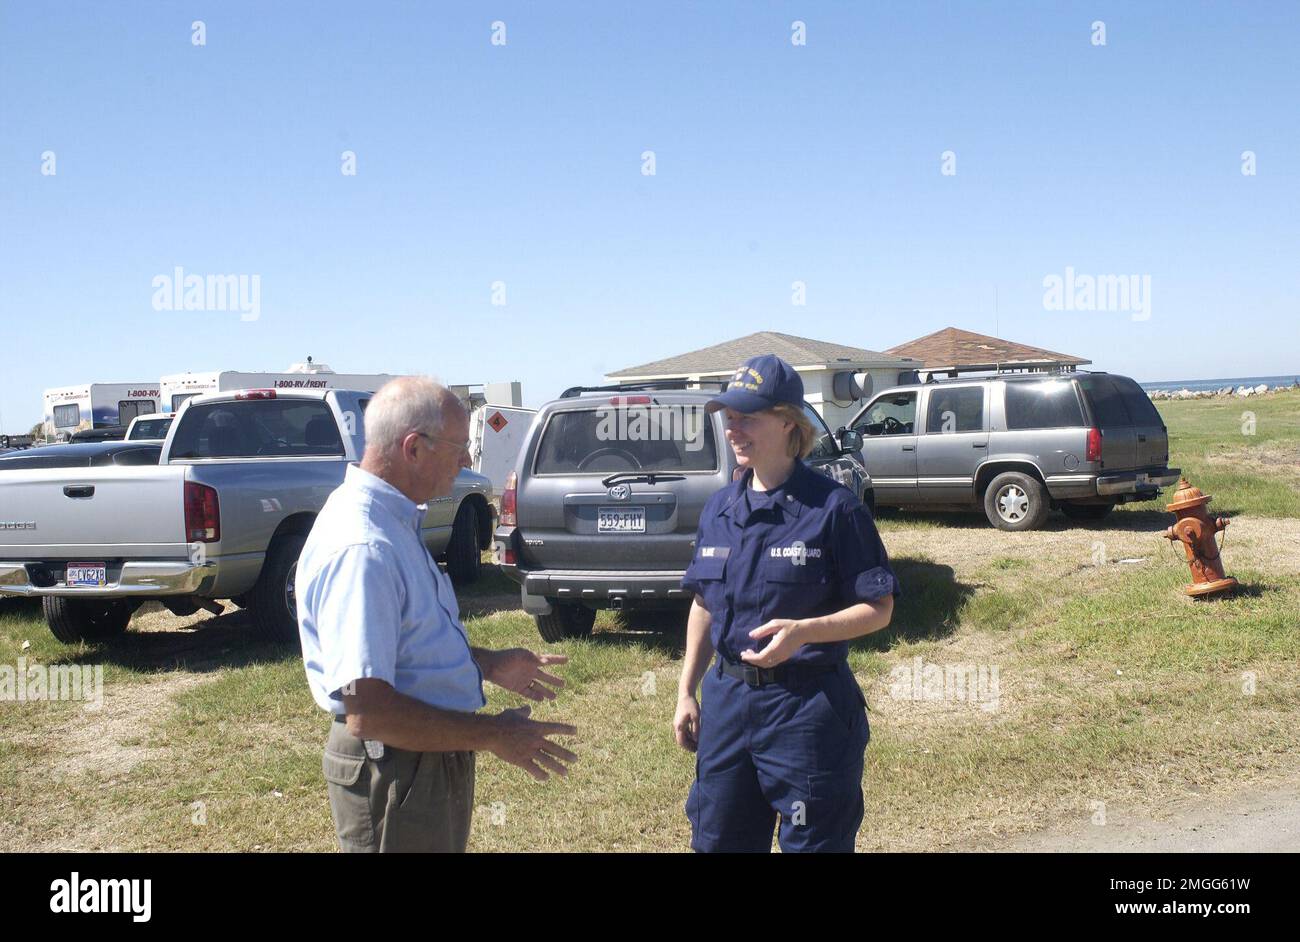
{"points": [[63, 513]]}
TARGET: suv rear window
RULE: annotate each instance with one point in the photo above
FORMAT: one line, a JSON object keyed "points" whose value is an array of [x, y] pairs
{"points": [[258, 428], [1107, 402], [631, 438], [1138, 402], [1051, 404], [151, 428]]}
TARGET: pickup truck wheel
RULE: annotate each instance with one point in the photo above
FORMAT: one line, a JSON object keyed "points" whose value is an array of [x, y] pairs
{"points": [[464, 560], [73, 620], [1087, 512], [273, 600], [1015, 502], [565, 621]]}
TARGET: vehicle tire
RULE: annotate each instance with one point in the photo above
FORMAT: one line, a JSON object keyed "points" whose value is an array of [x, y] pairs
{"points": [[1015, 501], [72, 620], [272, 600], [1086, 513], [565, 621], [464, 559]]}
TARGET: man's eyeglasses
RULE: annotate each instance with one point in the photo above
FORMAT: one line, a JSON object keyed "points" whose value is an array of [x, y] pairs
{"points": [[463, 446]]}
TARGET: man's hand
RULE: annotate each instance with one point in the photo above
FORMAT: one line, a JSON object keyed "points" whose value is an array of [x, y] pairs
{"points": [[686, 722], [785, 642], [520, 671], [522, 742]]}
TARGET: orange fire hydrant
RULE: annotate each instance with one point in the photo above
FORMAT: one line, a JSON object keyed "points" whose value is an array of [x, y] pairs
{"points": [[1196, 531]]}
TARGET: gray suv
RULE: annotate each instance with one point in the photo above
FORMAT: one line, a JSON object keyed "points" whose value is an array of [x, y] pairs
{"points": [[605, 500], [1017, 445]]}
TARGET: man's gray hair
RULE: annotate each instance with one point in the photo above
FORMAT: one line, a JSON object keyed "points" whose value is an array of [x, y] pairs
{"points": [[405, 405]]}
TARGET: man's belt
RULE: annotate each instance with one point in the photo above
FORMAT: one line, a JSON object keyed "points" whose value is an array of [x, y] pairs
{"points": [[781, 674]]}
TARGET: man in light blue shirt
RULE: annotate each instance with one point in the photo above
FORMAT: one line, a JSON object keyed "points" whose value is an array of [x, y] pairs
{"points": [[385, 650]]}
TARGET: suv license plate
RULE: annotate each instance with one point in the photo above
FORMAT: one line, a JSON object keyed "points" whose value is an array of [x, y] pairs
{"points": [[620, 520], [92, 574]]}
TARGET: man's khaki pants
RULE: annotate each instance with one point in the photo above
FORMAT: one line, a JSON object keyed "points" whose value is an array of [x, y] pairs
{"points": [[404, 802]]}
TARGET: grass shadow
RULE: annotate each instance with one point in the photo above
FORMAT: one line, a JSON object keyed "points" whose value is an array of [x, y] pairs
{"points": [[493, 592], [926, 610], [225, 641]]}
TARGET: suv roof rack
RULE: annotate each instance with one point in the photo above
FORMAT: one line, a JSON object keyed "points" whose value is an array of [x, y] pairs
{"points": [[933, 379], [704, 385]]}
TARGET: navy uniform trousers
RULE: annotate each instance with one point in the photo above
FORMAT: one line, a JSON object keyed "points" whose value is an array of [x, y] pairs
{"points": [[756, 747]]}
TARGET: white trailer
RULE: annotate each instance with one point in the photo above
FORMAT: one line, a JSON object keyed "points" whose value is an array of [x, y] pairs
{"points": [[496, 433], [181, 386], [71, 409]]}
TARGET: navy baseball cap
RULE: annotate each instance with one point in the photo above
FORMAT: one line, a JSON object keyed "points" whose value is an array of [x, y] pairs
{"points": [[760, 383]]}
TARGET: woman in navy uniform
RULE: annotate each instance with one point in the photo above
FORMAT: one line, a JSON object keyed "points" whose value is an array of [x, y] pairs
{"points": [[788, 567]]}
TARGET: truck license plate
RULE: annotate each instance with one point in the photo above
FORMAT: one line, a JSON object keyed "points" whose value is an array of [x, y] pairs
{"points": [[620, 520], [91, 574]]}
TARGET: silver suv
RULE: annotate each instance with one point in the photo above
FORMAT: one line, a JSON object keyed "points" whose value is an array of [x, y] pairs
{"points": [[1017, 445], [605, 500]]}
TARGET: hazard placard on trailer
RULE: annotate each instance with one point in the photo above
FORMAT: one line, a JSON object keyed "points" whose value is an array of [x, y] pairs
{"points": [[497, 421]]}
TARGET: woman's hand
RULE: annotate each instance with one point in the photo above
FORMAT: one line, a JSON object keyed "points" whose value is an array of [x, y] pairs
{"points": [[785, 642], [686, 722]]}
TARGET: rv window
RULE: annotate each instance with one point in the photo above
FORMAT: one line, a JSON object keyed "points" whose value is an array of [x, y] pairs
{"points": [[179, 398], [67, 416], [258, 428], [128, 409]]}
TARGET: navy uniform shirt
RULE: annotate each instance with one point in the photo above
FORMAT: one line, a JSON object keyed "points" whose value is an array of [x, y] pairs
{"points": [[805, 549]]}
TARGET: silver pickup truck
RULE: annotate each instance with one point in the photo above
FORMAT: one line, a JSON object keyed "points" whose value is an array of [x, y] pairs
{"points": [[223, 515]]}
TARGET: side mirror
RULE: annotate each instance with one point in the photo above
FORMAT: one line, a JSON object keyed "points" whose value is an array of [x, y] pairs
{"points": [[850, 439]]}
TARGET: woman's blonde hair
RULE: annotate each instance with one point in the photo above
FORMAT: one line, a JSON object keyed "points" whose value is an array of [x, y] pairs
{"points": [[803, 438]]}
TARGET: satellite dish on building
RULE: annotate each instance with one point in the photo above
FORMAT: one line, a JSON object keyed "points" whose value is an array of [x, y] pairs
{"points": [[847, 386]]}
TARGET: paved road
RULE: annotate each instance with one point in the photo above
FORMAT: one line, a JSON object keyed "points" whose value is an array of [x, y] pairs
{"points": [[1265, 820]]}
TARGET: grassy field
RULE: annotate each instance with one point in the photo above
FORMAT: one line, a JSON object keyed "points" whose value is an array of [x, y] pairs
{"points": [[1108, 687]]}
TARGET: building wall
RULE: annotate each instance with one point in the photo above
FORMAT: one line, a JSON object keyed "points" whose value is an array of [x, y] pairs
{"points": [[819, 390]]}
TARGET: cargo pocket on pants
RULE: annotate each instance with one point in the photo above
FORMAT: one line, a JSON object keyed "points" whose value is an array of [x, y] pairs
{"points": [[349, 800]]}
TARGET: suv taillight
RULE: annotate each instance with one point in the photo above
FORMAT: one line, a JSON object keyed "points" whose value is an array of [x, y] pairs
{"points": [[202, 514], [509, 516], [1094, 445], [255, 394]]}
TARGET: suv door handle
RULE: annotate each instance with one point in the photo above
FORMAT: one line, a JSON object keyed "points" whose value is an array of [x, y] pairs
{"points": [[79, 490], [909, 448], [979, 444]]}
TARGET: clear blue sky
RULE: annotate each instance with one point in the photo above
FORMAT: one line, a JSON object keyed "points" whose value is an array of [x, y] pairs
{"points": [[522, 163]]}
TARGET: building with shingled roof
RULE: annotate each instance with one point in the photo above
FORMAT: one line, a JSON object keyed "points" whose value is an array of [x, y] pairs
{"points": [[835, 377], [952, 351]]}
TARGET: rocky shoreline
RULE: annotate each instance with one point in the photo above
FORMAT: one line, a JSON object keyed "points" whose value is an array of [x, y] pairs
{"points": [[1222, 392]]}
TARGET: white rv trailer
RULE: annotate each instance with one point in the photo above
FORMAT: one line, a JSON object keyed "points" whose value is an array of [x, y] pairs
{"points": [[178, 387], [71, 409], [496, 433]]}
